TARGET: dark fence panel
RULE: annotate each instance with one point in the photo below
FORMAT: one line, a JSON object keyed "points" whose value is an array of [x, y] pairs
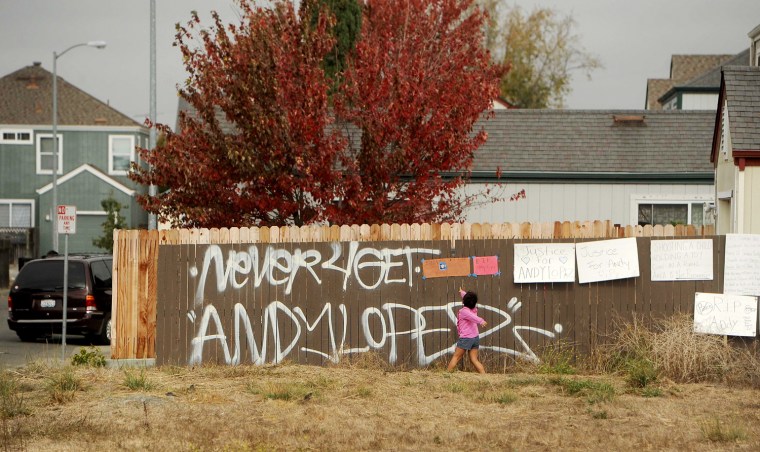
{"points": [[323, 302]]}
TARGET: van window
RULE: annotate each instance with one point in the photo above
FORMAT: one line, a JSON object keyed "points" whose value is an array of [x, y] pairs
{"points": [[101, 274], [48, 275]]}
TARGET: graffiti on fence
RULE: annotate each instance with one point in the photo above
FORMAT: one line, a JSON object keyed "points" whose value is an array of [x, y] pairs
{"points": [[210, 330], [280, 266]]}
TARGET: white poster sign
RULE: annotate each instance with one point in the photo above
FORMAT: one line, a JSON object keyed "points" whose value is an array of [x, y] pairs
{"points": [[730, 315], [674, 260], [544, 262], [741, 274], [606, 260]]}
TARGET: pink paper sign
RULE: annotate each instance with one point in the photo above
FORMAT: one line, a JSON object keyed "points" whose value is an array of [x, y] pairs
{"points": [[485, 265]]}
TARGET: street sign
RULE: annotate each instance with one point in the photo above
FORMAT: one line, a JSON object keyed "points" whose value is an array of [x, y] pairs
{"points": [[67, 219]]}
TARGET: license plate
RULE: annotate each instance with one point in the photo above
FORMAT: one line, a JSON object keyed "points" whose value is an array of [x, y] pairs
{"points": [[47, 303]]}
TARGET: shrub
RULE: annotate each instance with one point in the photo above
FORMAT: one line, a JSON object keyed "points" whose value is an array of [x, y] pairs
{"points": [[641, 372], [714, 430], [557, 359], [92, 358]]}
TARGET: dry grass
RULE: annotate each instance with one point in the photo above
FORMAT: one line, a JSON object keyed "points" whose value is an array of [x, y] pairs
{"points": [[675, 352], [654, 388], [292, 407]]}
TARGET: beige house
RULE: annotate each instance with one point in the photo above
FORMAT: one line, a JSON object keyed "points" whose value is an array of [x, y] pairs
{"points": [[736, 146]]}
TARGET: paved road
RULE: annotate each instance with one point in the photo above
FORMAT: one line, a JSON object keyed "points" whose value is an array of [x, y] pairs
{"points": [[14, 353]]}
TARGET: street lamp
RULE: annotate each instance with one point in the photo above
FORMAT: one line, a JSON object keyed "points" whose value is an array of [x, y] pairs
{"points": [[97, 45]]}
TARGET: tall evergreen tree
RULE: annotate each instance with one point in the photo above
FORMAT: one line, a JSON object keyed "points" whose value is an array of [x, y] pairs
{"points": [[348, 23]]}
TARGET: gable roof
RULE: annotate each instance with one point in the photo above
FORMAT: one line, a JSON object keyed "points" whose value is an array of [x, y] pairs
{"points": [[742, 96], [709, 80], [92, 170], [592, 144], [27, 98]]}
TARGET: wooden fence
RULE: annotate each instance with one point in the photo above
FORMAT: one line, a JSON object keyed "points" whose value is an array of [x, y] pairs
{"points": [[567, 311]]}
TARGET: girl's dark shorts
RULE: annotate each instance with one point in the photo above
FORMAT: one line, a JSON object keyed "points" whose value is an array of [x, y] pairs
{"points": [[468, 343]]}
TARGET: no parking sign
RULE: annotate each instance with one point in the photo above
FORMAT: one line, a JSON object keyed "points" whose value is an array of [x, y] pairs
{"points": [[67, 219]]}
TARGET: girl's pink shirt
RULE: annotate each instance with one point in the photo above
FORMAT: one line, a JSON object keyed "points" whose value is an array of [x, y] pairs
{"points": [[468, 321]]}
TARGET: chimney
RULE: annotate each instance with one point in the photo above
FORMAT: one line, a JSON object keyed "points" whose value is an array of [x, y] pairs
{"points": [[37, 64]]}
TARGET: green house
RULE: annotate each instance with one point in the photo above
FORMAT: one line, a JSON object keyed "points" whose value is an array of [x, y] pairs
{"points": [[96, 145]]}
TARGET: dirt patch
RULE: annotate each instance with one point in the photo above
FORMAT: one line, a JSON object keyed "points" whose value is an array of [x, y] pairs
{"points": [[290, 407]]}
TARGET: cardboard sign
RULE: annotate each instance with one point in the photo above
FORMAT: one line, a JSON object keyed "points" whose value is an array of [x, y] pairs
{"points": [[442, 268], [605, 260], [674, 260], [724, 314], [485, 265], [544, 262], [741, 273]]}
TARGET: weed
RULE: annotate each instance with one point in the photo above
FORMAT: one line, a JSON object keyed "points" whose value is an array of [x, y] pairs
{"points": [[364, 392], [503, 398], [602, 414], [63, 385], [595, 392], [651, 391], [557, 359], [289, 391], [91, 358], [11, 401], [455, 387], [137, 381], [641, 372], [715, 431], [524, 381]]}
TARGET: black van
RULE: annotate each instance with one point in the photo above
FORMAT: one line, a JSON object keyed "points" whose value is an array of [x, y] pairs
{"points": [[35, 301]]}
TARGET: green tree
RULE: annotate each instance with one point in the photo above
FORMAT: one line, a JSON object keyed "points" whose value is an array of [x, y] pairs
{"points": [[348, 23], [542, 51], [114, 220]]}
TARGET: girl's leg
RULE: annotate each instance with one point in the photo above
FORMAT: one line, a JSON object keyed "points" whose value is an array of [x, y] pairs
{"points": [[458, 354], [476, 362]]}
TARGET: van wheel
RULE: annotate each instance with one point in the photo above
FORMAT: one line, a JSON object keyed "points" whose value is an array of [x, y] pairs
{"points": [[27, 337], [104, 336]]}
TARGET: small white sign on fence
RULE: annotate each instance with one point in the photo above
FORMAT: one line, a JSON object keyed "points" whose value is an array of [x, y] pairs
{"points": [[605, 260], [544, 262], [690, 260], [742, 267], [725, 314]]}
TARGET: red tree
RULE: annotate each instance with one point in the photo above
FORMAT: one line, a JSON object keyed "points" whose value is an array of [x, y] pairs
{"points": [[257, 148], [419, 80], [261, 147]]}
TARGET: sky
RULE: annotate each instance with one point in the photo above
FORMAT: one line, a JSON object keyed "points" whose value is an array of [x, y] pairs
{"points": [[634, 41]]}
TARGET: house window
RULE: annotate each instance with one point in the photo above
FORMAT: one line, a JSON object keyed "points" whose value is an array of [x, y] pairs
{"points": [[12, 136], [16, 213], [674, 213], [45, 154], [121, 152]]}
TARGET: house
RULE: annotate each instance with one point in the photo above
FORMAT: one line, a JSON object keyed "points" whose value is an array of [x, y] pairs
{"points": [[735, 152], [96, 144], [683, 68], [631, 167]]}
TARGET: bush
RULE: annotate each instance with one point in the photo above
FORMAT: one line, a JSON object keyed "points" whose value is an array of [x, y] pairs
{"points": [[63, 385], [137, 381], [641, 372], [91, 358]]}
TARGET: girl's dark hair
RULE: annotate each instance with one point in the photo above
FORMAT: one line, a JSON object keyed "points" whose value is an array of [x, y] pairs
{"points": [[470, 299]]}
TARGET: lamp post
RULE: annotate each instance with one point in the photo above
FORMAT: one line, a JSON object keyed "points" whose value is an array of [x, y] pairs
{"points": [[54, 216]]}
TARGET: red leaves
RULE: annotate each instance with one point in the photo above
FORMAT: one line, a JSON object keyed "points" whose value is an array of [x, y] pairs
{"points": [[262, 145]]}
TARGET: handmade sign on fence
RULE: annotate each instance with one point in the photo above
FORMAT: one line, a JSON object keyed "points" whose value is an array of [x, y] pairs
{"points": [[485, 265], [724, 314], [606, 260], [741, 274], [689, 260], [544, 262], [443, 268]]}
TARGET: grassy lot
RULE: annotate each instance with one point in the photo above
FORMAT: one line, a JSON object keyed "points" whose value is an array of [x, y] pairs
{"points": [[623, 401]]}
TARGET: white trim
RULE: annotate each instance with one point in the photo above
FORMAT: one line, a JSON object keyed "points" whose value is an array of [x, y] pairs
{"points": [[728, 194], [91, 212], [21, 201], [92, 170], [637, 199], [111, 138], [105, 128], [38, 139], [17, 132], [740, 203]]}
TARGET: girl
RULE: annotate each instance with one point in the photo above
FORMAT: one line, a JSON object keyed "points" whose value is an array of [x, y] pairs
{"points": [[467, 328]]}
